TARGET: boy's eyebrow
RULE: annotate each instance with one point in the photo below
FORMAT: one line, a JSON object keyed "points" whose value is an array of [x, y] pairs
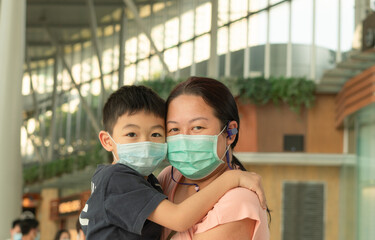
{"points": [[192, 120], [157, 126], [131, 125]]}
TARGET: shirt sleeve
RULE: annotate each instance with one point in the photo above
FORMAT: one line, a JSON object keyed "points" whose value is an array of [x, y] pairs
{"points": [[129, 200], [237, 204]]}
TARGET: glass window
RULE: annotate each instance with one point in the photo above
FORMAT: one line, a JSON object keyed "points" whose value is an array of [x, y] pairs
{"points": [[222, 41], [26, 84], [203, 18], [279, 23], [156, 67], [143, 46], [223, 9], [238, 35], [256, 5], [202, 48], [238, 9], [107, 60], [170, 58], [157, 34], [49, 77], [186, 54], [171, 32], [187, 25], [130, 73], [302, 21], [131, 50], [143, 70], [258, 29], [326, 23], [347, 24], [274, 1]]}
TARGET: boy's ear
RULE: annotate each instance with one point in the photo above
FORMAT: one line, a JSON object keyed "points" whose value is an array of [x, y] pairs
{"points": [[233, 126], [106, 141]]}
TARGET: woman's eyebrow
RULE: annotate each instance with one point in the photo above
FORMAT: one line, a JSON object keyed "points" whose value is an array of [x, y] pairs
{"points": [[198, 118], [190, 121], [171, 122]]}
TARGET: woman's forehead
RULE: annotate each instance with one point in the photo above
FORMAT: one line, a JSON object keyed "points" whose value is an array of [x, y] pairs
{"points": [[189, 107]]}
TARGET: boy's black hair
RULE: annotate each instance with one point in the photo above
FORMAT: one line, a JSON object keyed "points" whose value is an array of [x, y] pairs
{"points": [[130, 100], [27, 225], [16, 222]]}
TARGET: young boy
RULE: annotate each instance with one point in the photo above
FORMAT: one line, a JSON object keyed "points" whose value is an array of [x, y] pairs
{"points": [[126, 200]]}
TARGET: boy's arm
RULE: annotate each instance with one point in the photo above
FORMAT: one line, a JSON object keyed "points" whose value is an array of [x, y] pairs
{"points": [[180, 217]]}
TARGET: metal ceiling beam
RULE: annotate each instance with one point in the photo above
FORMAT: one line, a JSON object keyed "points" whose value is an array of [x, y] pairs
{"points": [[35, 102], [94, 122], [41, 58], [121, 70], [130, 4], [45, 3], [95, 42], [52, 130], [68, 25], [38, 152]]}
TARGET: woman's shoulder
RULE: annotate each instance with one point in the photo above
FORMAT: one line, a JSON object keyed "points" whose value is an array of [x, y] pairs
{"points": [[237, 204], [240, 198]]}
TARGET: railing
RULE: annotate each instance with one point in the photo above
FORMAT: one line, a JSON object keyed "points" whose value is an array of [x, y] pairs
{"points": [[357, 93]]}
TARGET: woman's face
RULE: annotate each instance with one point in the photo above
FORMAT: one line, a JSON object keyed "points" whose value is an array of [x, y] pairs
{"points": [[64, 236], [191, 115]]}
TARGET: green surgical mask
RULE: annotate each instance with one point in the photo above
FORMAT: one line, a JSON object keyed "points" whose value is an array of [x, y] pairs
{"points": [[195, 156]]}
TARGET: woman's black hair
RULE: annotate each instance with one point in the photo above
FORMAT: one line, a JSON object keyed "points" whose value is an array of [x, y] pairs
{"points": [[217, 96]]}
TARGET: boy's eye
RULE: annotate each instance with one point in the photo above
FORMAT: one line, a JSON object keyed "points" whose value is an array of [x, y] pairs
{"points": [[131, 134], [156, 135]]}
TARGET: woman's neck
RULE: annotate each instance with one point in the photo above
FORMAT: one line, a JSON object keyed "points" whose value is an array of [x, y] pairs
{"points": [[207, 180]]}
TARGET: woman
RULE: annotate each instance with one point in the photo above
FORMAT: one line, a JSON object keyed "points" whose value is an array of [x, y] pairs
{"points": [[202, 129], [62, 234]]}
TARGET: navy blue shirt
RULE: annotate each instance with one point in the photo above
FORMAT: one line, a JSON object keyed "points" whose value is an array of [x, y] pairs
{"points": [[120, 202]]}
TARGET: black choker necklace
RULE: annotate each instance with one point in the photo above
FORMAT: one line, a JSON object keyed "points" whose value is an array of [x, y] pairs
{"points": [[196, 185]]}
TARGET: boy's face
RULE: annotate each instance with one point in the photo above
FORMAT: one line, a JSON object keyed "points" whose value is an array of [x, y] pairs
{"points": [[139, 127]]}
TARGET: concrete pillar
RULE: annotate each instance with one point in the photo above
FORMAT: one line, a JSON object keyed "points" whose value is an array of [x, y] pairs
{"points": [[362, 8], [48, 228], [12, 51], [213, 68]]}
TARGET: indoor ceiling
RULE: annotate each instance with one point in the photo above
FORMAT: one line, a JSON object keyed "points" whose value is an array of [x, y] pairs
{"points": [[68, 21]]}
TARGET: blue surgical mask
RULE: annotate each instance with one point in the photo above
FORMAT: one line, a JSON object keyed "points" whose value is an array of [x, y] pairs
{"points": [[17, 236], [143, 157], [195, 156], [37, 236]]}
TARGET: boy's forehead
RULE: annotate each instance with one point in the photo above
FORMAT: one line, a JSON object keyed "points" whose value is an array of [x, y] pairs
{"points": [[141, 118]]}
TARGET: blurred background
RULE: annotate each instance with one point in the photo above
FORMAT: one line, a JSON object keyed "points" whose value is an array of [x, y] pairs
{"points": [[302, 71]]}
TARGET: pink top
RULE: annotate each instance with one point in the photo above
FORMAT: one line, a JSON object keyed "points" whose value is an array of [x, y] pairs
{"points": [[236, 204]]}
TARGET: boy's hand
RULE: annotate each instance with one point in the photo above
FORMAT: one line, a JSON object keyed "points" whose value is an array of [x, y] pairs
{"points": [[253, 182]]}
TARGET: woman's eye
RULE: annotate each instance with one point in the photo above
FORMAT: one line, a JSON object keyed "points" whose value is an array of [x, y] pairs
{"points": [[131, 134], [197, 128], [156, 135], [173, 130]]}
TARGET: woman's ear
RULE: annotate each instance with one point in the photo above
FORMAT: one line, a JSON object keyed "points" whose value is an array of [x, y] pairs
{"points": [[232, 131], [106, 141]]}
